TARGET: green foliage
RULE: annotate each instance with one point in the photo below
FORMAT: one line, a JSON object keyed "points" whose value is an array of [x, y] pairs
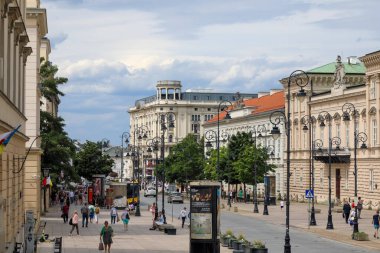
{"points": [[251, 158], [258, 244], [49, 82], [211, 164], [58, 148], [90, 160], [185, 161]]}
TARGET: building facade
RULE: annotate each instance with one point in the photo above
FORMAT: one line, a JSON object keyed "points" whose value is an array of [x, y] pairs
{"points": [[340, 89], [36, 25], [188, 110], [13, 56], [252, 115]]}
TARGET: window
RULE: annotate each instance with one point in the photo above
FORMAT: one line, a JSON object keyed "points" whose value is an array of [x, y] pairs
{"points": [[170, 138], [161, 108], [338, 130], [347, 135], [208, 98], [220, 97], [346, 181], [374, 132], [208, 109], [195, 97], [195, 109], [372, 89], [171, 108], [321, 178], [371, 181]]}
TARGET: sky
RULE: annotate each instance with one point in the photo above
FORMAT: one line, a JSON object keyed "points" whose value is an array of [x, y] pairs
{"points": [[114, 51]]}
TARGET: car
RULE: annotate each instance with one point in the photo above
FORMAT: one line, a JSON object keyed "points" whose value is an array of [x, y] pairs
{"points": [[175, 197], [150, 191]]}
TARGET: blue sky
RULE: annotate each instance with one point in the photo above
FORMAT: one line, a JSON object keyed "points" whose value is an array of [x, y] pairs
{"points": [[114, 51]]}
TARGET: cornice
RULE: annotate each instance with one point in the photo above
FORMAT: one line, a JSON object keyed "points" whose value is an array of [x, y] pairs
{"points": [[40, 14]]}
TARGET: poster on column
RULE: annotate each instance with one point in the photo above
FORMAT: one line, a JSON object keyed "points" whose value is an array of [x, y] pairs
{"points": [[201, 213]]}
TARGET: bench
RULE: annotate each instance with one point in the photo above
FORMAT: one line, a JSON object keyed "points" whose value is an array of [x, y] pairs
{"points": [[167, 228]]}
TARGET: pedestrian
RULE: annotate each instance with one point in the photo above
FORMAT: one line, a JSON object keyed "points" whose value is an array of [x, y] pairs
{"points": [[125, 218], [353, 204], [183, 215], [71, 196], [375, 222], [106, 235], [346, 210], [352, 218], [65, 213], [231, 196], [74, 222], [240, 197], [91, 209], [282, 204], [61, 199], [97, 212], [113, 214], [84, 211], [360, 207], [153, 210]]}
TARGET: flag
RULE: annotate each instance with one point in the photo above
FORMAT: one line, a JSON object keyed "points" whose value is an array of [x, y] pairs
{"points": [[6, 137]]}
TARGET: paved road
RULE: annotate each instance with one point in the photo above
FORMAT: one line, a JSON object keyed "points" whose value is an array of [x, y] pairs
{"points": [[272, 235]]}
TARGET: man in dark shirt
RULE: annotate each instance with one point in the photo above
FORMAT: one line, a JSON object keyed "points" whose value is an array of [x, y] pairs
{"points": [[375, 222], [84, 210], [346, 210]]}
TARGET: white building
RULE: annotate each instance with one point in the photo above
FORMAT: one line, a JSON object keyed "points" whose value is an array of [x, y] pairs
{"points": [[119, 165], [252, 115]]}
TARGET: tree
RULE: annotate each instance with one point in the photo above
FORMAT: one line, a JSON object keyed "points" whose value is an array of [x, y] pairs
{"points": [[58, 148], [224, 165], [185, 161], [49, 82], [250, 157], [90, 160]]}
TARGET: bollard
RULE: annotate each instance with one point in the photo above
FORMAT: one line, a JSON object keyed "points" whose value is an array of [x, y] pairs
{"points": [[235, 209]]}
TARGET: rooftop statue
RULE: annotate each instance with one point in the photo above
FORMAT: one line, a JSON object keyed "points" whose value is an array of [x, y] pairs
{"points": [[339, 73]]}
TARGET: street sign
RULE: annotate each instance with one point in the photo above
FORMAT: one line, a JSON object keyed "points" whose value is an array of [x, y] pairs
{"points": [[309, 194]]}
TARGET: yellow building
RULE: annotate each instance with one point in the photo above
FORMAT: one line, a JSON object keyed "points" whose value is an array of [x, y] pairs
{"points": [[340, 89], [13, 55]]}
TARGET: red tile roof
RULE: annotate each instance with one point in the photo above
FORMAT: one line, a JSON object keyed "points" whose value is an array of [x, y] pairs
{"points": [[262, 104]]}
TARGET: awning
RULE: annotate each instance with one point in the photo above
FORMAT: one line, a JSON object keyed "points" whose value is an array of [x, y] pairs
{"points": [[337, 156]]}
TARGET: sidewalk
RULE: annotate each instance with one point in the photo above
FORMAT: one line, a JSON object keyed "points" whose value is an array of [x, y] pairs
{"points": [[299, 219], [137, 239]]}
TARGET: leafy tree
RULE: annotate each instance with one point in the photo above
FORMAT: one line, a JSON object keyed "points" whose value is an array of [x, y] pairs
{"points": [[224, 165], [185, 161], [49, 82], [58, 148], [90, 160], [250, 157]]}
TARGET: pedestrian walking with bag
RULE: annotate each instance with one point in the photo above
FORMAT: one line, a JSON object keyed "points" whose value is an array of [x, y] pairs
{"points": [[74, 220], [106, 236], [113, 214], [183, 215], [375, 222], [84, 210], [125, 218], [65, 213]]}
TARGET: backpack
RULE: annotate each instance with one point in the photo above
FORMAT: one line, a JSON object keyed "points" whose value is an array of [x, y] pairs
{"points": [[97, 210]]}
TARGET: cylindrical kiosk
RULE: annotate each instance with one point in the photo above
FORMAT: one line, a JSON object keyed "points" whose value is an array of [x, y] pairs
{"points": [[204, 216]]}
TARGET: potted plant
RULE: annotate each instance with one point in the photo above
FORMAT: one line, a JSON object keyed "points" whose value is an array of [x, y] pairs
{"points": [[242, 241], [258, 247], [360, 236]]}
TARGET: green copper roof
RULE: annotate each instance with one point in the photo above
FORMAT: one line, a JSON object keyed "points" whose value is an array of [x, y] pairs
{"points": [[357, 69]]}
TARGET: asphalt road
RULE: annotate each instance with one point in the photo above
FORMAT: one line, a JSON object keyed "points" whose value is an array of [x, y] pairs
{"points": [[272, 235]]}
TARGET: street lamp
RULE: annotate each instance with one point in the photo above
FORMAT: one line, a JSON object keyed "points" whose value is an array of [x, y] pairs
{"points": [[347, 109], [270, 151], [125, 136], [325, 116], [307, 120], [166, 121], [301, 79], [257, 133], [153, 147]]}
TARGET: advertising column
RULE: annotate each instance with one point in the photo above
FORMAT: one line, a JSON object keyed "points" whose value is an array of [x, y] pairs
{"points": [[205, 217]]}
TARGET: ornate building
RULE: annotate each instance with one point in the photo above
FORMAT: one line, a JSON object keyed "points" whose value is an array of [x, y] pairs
{"points": [[252, 115], [188, 110], [13, 57], [342, 108]]}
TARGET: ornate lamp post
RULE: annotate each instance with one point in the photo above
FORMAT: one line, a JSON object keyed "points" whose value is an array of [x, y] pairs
{"points": [[308, 121], [270, 150], [153, 147], [166, 121], [347, 109], [301, 79], [124, 138]]}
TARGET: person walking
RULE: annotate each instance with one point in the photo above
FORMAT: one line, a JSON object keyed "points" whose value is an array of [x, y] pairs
{"points": [[183, 215], [113, 214], [360, 207], [65, 213], [74, 222], [346, 210], [375, 222], [91, 209], [97, 212], [106, 235], [282, 204], [125, 218], [84, 210]]}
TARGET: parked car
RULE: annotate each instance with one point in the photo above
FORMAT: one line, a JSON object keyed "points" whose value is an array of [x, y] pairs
{"points": [[150, 191], [175, 197]]}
